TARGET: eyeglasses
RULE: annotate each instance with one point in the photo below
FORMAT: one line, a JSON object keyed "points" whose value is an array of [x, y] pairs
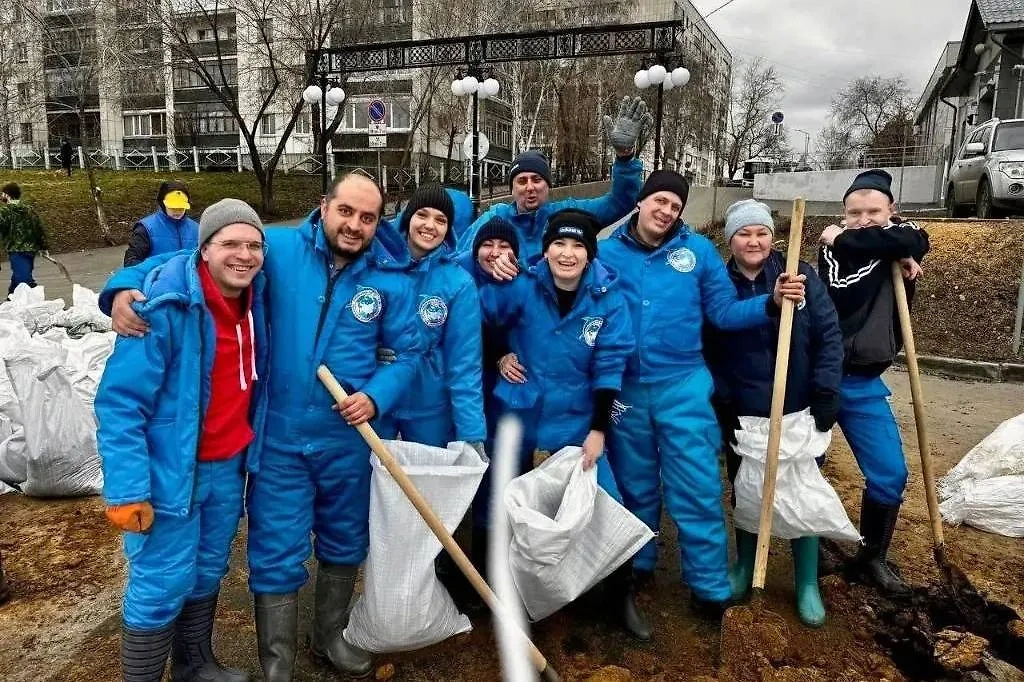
{"points": [[233, 245]]}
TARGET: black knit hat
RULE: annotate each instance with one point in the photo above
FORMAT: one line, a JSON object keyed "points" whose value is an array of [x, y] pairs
{"points": [[876, 179], [572, 223], [430, 196], [665, 181], [497, 228], [530, 162]]}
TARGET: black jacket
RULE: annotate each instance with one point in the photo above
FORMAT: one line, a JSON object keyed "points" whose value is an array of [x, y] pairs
{"points": [[857, 271]]}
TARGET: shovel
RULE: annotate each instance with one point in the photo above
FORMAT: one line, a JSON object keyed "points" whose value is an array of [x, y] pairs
{"points": [[990, 619], [547, 673], [738, 619], [60, 266]]}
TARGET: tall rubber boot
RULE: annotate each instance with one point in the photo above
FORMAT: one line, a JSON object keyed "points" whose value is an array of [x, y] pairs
{"points": [[334, 587], [478, 549], [877, 524], [144, 653], [5, 589], [741, 575], [622, 590], [805, 577], [193, 650], [277, 627]]}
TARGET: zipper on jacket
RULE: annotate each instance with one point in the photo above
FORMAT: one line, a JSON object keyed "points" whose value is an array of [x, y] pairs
{"points": [[332, 279]]}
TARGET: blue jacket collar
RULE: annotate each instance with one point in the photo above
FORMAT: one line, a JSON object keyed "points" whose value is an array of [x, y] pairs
{"points": [[384, 252], [597, 279], [177, 282], [677, 234]]}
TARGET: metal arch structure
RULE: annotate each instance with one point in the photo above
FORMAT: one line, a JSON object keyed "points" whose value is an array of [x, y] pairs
{"points": [[656, 38]]}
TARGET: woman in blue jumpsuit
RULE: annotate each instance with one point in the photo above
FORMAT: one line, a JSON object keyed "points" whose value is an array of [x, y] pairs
{"points": [[570, 337]]}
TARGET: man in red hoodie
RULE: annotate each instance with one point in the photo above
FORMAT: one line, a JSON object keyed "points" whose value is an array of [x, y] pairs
{"points": [[181, 413]]}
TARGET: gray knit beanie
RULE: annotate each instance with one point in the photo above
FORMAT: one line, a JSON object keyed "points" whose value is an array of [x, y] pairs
{"points": [[745, 213], [227, 212]]}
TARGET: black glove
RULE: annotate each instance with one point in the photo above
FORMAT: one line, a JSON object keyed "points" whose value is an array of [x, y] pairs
{"points": [[824, 406]]}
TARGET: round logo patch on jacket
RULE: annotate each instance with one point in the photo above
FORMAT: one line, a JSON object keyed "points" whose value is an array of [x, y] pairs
{"points": [[433, 311], [366, 304], [682, 259], [591, 326]]}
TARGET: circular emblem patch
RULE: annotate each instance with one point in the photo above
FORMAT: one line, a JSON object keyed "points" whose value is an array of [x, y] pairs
{"points": [[366, 305], [682, 260], [591, 326], [433, 311]]}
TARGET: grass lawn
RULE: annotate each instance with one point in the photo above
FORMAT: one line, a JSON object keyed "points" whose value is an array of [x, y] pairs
{"points": [[70, 216]]}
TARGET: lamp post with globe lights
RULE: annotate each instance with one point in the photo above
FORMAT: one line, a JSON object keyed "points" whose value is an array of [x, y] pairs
{"points": [[326, 93], [658, 76], [476, 83]]}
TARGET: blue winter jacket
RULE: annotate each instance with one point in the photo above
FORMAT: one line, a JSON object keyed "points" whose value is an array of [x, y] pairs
{"points": [[319, 319], [670, 290], [448, 378], [463, 211], [155, 391], [620, 200], [743, 363], [566, 359], [167, 235]]}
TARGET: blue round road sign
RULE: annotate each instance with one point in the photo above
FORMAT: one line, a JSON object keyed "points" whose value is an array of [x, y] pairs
{"points": [[777, 117], [376, 110]]}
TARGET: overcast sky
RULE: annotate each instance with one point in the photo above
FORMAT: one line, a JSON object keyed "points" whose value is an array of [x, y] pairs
{"points": [[820, 45]]}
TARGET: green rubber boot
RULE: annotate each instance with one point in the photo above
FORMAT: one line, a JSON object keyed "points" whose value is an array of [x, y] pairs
{"points": [[741, 575], [805, 572]]}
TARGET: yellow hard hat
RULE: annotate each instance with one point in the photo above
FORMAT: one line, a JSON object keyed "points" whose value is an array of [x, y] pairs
{"points": [[176, 199]]}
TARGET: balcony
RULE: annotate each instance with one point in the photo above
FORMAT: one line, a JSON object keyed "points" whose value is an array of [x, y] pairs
{"points": [[207, 48], [69, 6]]}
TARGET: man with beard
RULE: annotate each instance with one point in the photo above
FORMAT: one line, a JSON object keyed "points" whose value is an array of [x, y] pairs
{"points": [[336, 294]]}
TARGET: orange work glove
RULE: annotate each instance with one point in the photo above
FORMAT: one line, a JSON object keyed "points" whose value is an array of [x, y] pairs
{"points": [[136, 517]]}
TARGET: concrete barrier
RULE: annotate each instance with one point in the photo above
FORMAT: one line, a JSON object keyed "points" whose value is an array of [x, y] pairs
{"points": [[919, 185]]}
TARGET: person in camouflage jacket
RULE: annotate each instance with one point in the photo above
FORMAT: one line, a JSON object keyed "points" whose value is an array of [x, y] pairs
{"points": [[22, 236]]}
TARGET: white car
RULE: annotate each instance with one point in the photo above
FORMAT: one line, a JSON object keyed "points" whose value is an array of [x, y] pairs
{"points": [[988, 173]]}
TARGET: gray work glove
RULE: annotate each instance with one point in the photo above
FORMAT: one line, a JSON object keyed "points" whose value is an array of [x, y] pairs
{"points": [[385, 356], [479, 447], [627, 128]]}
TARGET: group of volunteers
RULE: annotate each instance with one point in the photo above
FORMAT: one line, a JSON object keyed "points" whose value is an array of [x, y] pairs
{"points": [[210, 403]]}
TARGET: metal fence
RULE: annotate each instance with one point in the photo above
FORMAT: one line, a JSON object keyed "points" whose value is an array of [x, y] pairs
{"points": [[890, 157]]}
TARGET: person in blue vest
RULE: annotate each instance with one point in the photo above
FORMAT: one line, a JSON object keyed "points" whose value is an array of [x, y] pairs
{"points": [[570, 335], [165, 230], [743, 366], [855, 263], [181, 414], [664, 433], [445, 402], [530, 184], [338, 290]]}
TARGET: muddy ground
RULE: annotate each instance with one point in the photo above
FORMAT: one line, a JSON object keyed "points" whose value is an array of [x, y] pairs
{"points": [[66, 571]]}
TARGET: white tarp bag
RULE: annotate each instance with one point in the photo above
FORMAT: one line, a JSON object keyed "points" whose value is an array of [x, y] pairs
{"points": [[29, 306], [805, 504], [567, 533], [47, 431], [404, 606], [84, 315], [986, 489], [995, 505]]}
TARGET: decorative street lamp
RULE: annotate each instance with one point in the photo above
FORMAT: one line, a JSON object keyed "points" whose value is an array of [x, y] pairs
{"points": [[474, 81], [660, 77], [324, 96]]}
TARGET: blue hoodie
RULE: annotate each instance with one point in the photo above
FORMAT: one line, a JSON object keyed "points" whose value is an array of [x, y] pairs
{"points": [[566, 359], [669, 290], [619, 201], [317, 319], [155, 391]]}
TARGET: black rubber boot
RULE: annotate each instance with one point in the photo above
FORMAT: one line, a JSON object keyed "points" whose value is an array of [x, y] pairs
{"points": [[277, 626], [5, 589], [193, 650], [877, 523], [622, 590], [478, 550], [144, 653], [334, 587], [709, 610]]}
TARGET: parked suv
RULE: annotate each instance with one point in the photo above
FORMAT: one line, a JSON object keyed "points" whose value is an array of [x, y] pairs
{"points": [[988, 173]]}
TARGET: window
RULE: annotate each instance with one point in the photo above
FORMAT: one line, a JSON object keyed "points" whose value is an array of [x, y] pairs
{"points": [[24, 93], [211, 121], [302, 124], [394, 12], [26, 133], [188, 77], [1009, 136], [21, 52], [204, 34], [144, 125], [18, 16], [265, 30], [144, 82], [268, 124]]}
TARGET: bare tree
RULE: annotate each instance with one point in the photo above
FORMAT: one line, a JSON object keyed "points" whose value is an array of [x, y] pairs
{"points": [[870, 103], [835, 147], [755, 94]]}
